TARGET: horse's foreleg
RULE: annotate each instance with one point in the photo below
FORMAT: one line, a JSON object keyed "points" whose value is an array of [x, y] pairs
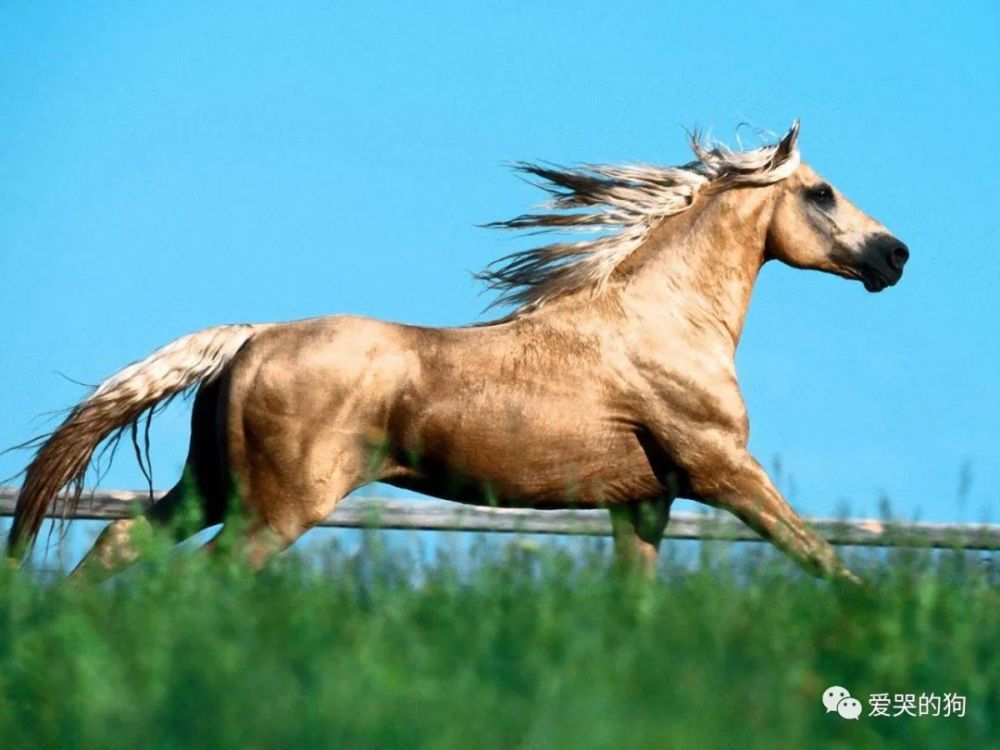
{"points": [[746, 491], [637, 529]]}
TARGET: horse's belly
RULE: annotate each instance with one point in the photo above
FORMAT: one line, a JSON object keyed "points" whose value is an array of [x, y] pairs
{"points": [[562, 458]]}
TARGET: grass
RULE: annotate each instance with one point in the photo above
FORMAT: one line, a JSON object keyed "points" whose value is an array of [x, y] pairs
{"points": [[513, 645]]}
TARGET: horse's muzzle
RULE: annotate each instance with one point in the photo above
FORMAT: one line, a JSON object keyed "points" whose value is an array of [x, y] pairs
{"points": [[882, 262]]}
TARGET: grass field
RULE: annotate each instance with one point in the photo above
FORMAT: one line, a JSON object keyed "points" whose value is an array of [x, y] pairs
{"points": [[512, 645]]}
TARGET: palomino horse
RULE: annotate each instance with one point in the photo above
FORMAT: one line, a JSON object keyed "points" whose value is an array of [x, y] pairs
{"points": [[612, 384]]}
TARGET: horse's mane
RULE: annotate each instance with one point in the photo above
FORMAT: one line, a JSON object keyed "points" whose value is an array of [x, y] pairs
{"points": [[630, 200]]}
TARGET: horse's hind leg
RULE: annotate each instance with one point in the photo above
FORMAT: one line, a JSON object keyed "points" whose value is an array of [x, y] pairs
{"points": [[200, 491], [272, 521], [119, 544], [289, 478], [302, 431]]}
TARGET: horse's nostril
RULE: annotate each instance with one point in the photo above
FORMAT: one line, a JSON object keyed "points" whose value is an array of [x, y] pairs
{"points": [[898, 256]]}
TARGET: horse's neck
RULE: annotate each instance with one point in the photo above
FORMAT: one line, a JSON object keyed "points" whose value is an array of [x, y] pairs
{"points": [[700, 267]]}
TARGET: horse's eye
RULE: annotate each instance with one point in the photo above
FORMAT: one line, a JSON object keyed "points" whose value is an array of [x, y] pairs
{"points": [[821, 194]]}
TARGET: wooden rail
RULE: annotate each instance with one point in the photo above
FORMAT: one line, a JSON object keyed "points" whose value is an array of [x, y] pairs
{"points": [[439, 515]]}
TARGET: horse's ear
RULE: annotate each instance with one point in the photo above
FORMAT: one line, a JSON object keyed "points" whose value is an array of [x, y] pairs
{"points": [[786, 147]]}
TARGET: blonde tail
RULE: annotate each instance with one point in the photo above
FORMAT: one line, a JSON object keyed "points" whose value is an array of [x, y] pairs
{"points": [[61, 462]]}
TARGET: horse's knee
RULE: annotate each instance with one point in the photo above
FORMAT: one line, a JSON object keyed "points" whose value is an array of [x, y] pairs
{"points": [[650, 520]]}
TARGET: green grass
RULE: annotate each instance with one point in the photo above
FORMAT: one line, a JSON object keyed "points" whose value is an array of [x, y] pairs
{"points": [[519, 645]]}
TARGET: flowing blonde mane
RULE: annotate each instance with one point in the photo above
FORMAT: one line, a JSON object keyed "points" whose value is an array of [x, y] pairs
{"points": [[630, 201]]}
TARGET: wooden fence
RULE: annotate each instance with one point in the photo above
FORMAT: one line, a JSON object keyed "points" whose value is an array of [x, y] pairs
{"points": [[438, 515]]}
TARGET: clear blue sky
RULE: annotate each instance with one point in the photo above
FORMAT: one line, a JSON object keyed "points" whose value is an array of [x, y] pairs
{"points": [[165, 167]]}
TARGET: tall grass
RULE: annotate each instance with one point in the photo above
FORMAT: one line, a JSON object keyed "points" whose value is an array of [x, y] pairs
{"points": [[518, 645]]}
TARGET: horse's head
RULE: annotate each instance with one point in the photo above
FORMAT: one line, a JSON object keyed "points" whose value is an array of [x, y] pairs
{"points": [[814, 226]]}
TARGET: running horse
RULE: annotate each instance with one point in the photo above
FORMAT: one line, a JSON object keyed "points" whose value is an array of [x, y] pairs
{"points": [[612, 384]]}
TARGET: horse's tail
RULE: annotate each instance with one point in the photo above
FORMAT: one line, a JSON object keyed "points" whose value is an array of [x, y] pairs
{"points": [[117, 403]]}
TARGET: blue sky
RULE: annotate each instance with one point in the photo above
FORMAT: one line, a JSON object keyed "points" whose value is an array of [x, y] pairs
{"points": [[165, 167]]}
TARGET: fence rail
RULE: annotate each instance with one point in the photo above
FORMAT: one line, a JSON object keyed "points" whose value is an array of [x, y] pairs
{"points": [[439, 515]]}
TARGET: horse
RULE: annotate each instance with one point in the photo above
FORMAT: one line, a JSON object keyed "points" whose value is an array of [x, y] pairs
{"points": [[611, 383]]}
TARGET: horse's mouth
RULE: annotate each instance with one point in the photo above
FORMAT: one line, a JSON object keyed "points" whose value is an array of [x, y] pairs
{"points": [[876, 280]]}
